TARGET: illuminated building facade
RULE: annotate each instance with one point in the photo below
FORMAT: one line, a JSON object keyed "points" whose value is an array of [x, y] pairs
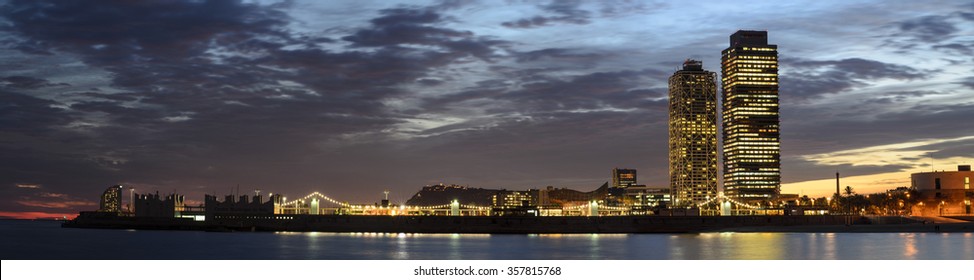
{"points": [[111, 200], [752, 142], [641, 197], [512, 199], [693, 134], [945, 192], [622, 178]]}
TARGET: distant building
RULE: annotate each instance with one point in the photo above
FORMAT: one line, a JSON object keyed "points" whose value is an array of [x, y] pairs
{"points": [[566, 196], [507, 198], [544, 197], [622, 178], [645, 199], [693, 134], [152, 205], [945, 192], [111, 200], [231, 208], [442, 187], [752, 141], [442, 194]]}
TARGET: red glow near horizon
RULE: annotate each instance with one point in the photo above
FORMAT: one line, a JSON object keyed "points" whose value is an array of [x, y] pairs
{"points": [[37, 215]]}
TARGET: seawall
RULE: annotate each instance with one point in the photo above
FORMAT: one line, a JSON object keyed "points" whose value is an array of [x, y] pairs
{"points": [[480, 224]]}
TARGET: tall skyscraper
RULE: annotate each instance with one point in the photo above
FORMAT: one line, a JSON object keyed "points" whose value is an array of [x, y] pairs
{"points": [[693, 135], [752, 142]]}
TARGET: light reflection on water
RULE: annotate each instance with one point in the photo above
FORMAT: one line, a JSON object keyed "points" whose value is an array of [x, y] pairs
{"points": [[742, 246], [910, 247], [968, 244], [45, 240], [829, 252]]}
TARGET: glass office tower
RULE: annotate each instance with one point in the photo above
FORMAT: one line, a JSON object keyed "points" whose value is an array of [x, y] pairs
{"points": [[752, 142]]}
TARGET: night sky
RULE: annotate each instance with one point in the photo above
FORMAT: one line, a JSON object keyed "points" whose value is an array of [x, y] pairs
{"points": [[350, 98]]}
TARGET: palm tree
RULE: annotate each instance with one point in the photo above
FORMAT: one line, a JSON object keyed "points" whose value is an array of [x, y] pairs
{"points": [[848, 191]]}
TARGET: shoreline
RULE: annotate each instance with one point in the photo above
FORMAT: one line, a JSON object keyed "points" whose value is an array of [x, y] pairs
{"points": [[530, 224]]}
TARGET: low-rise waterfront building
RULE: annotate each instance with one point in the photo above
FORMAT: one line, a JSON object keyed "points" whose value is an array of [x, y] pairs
{"points": [[944, 193]]}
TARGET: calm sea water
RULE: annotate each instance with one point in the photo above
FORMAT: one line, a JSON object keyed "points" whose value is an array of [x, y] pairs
{"points": [[46, 240]]}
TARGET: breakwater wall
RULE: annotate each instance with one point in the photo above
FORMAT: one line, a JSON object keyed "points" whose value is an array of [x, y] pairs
{"points": [[470, 224]]}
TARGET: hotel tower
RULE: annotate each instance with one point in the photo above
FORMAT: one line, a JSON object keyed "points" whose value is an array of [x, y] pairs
{"points": [[751, 147], [693, 135]]}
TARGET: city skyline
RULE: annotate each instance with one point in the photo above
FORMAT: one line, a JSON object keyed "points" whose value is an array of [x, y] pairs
{"points": [[355, 98]]}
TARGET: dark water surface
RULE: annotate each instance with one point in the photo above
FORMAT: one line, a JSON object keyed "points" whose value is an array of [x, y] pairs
{"points": [[47, 240]]}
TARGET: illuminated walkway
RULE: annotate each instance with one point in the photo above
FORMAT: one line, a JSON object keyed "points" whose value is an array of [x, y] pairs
{"points": [[317, 203]]}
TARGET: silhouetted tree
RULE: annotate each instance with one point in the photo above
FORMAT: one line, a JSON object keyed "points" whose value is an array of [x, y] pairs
{"points": [[805, 200]]}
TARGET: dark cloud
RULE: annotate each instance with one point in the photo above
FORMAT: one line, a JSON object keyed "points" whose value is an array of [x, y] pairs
{"points": [[398, 16], [940, 32], [229, 96], [815, 131], [570, 12], [576, 149], [563, 12], [801, 87], [94, 95], [806, 79], [947, 149], [610, 118], [561, 54], [953, 150], [401, 27], [861, 68], [929, 28], [405, 26], [624, 7], [598, 90], [968, 82], [26, 115], [956, 48], [23, 82], [54, 201], [901, 96], [795, 169], [535, 93], [967, 11], [133, 31], [450, 4], [486, 89], [429, 82], [248, 38], [912, 93], [204, 104]]}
